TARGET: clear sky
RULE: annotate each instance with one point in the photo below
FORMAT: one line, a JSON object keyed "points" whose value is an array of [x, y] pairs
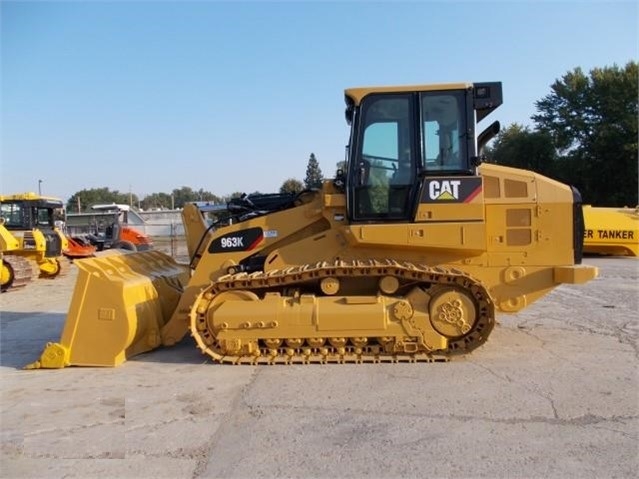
{"points": [[234, 96]]}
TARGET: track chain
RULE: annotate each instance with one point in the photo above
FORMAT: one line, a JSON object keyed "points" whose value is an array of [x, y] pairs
{"points": [[280, 280], [22, 271]]}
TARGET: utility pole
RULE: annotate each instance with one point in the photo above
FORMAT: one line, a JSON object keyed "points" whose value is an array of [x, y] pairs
{"points": [[39, 187]]}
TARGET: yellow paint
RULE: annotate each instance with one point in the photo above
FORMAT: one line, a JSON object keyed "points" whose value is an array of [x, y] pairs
{"points": [[611, 231]]}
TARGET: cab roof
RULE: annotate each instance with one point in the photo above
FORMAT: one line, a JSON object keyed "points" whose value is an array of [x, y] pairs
{"points": [[29, 196], [357, 94]]}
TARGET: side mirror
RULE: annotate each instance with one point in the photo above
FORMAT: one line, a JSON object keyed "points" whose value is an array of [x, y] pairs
{"points": [[340, 180]]}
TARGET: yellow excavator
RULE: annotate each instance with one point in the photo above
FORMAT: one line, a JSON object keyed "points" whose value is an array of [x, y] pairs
{"points": [[30, 243], [406, 255]]}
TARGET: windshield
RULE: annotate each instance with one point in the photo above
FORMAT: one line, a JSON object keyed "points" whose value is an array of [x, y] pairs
{"points": [[12, 214]]}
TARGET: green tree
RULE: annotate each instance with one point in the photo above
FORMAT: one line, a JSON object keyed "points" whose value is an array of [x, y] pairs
{"points": [[156, 201], [593, 122], [314, 176], [585, 135], [183, 195], [84, 199], [204, 195], [519, 147], [186, 194], [291, 186]]}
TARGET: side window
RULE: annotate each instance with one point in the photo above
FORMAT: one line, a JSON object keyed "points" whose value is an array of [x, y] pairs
{"points": [[44, 217], [443, 126], [385, 167]]}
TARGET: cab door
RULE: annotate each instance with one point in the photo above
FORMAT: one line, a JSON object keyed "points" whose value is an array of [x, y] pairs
{"points": [[383, 175]]}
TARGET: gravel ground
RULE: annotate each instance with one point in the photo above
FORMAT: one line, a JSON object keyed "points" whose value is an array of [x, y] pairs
{"points": [[553, 394]]}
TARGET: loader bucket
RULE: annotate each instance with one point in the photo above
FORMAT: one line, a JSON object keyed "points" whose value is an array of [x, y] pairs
{"points": [[119, 304]]}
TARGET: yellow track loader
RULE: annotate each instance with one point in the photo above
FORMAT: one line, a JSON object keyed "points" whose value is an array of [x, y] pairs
{"points": [[31, 243], [406, 255]]}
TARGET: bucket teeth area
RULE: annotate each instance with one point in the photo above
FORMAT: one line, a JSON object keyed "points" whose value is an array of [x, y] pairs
{"points": [[119, 305]]}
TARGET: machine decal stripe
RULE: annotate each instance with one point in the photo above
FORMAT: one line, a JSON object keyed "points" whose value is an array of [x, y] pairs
{"points": [[472, 196], [255, 243]]}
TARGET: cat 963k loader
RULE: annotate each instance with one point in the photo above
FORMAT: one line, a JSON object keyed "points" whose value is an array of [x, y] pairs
{"points": [[406, 255]]}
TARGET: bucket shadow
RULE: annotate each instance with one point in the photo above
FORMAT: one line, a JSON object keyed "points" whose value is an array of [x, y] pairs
{"points": [[23, 336], [184, 352]]}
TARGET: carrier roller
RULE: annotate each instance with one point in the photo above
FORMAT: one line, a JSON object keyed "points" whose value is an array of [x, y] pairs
{"points": [[355, 311]]}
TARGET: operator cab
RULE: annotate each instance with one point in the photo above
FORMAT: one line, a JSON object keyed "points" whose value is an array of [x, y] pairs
{"points": [[118, 210], [30, 213], [401, 135], [21, 214]]}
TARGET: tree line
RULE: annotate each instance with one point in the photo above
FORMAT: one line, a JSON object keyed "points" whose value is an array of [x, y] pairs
{"points": [[584, 133], [83, 200]]}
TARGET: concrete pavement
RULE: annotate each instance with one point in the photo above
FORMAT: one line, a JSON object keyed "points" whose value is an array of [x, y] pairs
{"points": [[553, 394]]}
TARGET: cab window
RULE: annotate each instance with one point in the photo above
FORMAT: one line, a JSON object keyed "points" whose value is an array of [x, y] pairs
{"points": [[443, 130], [44, 217]]}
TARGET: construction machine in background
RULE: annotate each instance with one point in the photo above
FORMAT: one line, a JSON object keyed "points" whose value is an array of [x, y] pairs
{"points": [[32, 244], [78, 248], [15, 270], [407, 255], [107, 226], [33, 241], [611, 231]]}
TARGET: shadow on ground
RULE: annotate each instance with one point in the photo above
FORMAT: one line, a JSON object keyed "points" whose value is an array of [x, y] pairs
{"points": [[184, 352], [23, 336]]}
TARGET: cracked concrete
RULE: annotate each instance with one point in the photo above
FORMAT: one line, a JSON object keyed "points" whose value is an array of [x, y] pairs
{"points": [[553, 394]]}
